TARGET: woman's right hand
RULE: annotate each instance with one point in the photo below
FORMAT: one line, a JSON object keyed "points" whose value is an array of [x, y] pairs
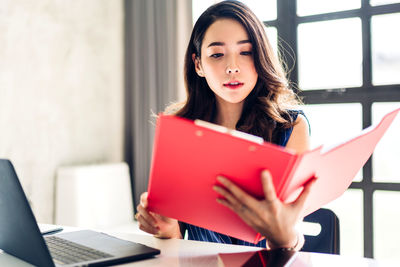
{"points": [[152, 223]]}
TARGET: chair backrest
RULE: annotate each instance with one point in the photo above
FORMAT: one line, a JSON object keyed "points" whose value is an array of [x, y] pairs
{"points": [[327, 241]]}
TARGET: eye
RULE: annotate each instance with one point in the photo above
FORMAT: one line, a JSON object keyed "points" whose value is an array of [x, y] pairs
{"points": [[216, 55], [246, 53]]}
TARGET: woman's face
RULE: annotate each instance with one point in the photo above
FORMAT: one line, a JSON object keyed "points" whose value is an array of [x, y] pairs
{"points": [[227, 61]]}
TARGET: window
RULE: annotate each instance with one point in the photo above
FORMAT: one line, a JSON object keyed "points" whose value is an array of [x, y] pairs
{"points": [[323, 47], [313, 7], [385, 50], [347, 67]]}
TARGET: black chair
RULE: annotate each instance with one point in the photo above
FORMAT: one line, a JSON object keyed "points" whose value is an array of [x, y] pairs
{"points": [[327, 241]]}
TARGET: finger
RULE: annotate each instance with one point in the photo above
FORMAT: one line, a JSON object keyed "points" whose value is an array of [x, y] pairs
{"points": [[235, 204], [301, 199], [225, 203], [237, 192], [238, 208], [146, 226], [243, 212], [146, 215], [268, 186], [229, 198], [161, 217], [247, 207], [143, 199]]}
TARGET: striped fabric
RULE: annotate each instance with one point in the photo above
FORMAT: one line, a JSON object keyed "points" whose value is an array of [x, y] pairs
{"points": [[201, 234]]}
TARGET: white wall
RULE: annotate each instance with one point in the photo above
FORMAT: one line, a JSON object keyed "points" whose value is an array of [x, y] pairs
{"points": [[61, 89]]}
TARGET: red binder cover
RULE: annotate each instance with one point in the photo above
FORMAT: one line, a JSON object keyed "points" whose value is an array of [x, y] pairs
{"points": [[188, 156]]}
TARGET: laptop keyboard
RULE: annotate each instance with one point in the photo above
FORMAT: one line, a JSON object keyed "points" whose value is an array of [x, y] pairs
{"points": [[66, 252]]}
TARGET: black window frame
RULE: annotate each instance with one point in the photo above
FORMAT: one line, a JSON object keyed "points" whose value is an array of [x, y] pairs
{"points": [[286, 24]]}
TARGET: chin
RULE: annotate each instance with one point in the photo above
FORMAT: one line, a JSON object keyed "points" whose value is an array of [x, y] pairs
{"points": [[234, 101]]}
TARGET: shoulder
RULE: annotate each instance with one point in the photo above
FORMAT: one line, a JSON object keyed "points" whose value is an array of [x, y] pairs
{"points": [[299, 140], [301, 125], [296, 113], [299, 118], [301, 121]]}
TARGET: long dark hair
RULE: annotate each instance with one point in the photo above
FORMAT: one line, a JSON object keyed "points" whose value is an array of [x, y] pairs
{"points": [[264, 113]]}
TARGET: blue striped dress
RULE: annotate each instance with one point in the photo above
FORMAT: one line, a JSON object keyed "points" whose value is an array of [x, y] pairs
{"points": [[201, 234]]}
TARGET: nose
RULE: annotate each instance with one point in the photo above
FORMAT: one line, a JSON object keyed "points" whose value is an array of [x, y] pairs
{"points": [[231, 70], [232, 67]]}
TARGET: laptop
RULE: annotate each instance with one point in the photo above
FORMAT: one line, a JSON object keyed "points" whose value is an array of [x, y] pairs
{"points": [[20, 235]]}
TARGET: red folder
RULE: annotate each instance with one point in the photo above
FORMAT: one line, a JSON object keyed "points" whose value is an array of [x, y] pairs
{"points": [[189, 155]]}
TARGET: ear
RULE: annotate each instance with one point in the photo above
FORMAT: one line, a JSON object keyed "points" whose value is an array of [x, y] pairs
{"points": [[197, 65]]}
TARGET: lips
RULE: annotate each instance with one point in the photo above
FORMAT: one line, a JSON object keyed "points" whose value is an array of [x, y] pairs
{"points": [[233, 84]]}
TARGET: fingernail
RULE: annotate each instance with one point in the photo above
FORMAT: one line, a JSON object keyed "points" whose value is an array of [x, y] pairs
{"points": [[221, 179], [215, 188]]}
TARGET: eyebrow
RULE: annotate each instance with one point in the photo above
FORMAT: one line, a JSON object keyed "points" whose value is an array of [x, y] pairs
{"points": [[222, 43]]}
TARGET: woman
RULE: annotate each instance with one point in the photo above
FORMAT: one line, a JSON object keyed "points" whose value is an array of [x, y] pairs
{"points": [[234, 79]]}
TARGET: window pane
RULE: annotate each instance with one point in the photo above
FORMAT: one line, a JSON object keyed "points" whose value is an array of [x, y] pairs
{"points": [[272, 35], [334, 123], [385, 49], [311, 7], [385, 159], [349, 209], [386, 225], [382, 2], [330, 54], [264, 10]]}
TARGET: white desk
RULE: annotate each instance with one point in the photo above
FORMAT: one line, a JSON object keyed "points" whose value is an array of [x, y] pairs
{"points": [[175, 252]]}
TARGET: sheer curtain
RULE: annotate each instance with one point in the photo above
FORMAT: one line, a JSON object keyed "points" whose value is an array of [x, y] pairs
{"points": [[155, 31]]}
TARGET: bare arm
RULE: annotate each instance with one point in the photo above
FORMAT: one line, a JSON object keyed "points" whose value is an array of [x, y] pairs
{"points": [[299, 140]]}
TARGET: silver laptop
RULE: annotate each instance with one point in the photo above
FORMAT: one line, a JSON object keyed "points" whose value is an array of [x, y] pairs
{"points": [[20, 235]]}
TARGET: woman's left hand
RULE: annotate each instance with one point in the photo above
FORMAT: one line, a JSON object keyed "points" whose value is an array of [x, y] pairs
{"points": [[270, 217]]}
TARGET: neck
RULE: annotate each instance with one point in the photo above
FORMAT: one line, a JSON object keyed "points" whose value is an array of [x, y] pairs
{"points": [[228, 114]]}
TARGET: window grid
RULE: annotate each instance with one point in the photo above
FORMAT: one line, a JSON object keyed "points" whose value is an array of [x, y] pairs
{"points": [[286, 23]]}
